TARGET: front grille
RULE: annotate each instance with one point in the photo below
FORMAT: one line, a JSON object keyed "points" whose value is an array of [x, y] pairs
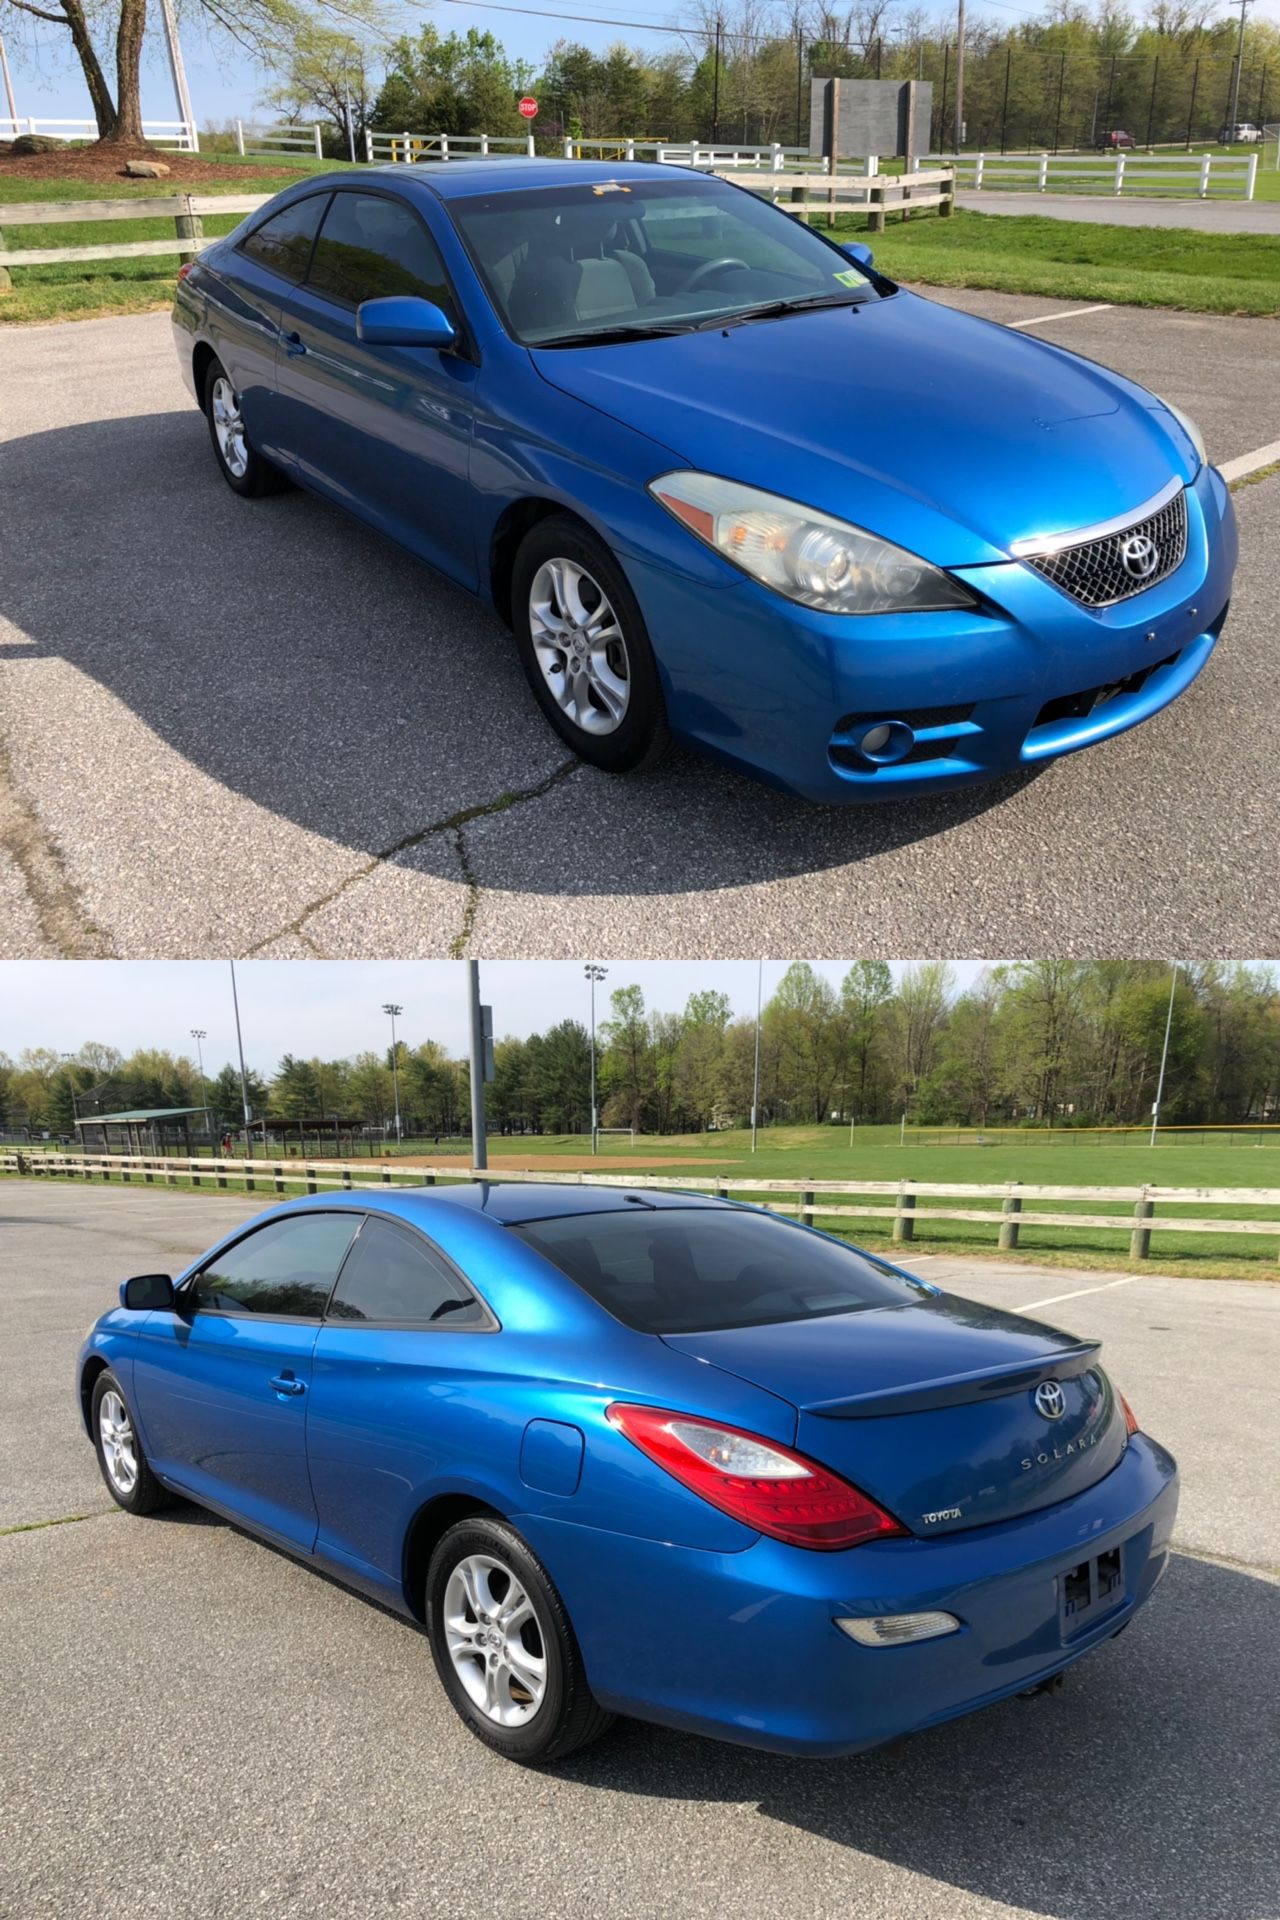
{"points": [[1098, 573]]}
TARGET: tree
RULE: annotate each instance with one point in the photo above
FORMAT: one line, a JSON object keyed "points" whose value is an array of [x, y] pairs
{"points": [[225, 1102], [260, 25], [627, 1061], [294, 1091], [327, 72], [865, 992]]}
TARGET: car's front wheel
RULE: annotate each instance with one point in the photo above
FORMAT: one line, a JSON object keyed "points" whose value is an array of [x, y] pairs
{"points": [[130, 1481], [241, 466], [504, 1647], [583, 644]]}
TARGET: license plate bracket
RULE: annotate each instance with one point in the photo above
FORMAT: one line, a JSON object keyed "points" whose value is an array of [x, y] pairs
{"points": [[1090, 1590]]}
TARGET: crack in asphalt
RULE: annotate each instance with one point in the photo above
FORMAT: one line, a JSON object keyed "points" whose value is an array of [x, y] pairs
{"points": [[454, 823], [60, 1520], [60, 917]]}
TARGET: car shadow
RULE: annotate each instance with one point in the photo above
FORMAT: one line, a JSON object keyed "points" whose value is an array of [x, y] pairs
{"points": [[301, 662], [1147, 1785]]}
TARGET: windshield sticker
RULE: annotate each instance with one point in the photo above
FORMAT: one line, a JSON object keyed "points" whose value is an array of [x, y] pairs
{"points": [[610, 186], [849, 278]]}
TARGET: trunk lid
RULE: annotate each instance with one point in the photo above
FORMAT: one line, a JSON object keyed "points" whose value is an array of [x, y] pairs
{"points": [[931, 1407]]}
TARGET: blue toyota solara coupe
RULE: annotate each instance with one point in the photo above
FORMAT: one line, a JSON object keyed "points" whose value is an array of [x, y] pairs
{"points": [[725, 482], [643, 1454]]}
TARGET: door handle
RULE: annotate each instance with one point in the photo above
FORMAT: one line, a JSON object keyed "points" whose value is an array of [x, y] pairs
{"points": [[285, 1383], [293, 344]]}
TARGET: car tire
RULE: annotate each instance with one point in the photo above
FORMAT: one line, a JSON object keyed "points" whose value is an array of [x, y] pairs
{"points": [[244, 470], [534, 1706], [129, 1478], [604, 700]]}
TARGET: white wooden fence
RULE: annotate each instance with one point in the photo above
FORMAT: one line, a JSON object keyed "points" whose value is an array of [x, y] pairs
{"points": [[1203, 176], [184, 209], [827, 1200], [825, 194], [280, 142], [161, 133]]}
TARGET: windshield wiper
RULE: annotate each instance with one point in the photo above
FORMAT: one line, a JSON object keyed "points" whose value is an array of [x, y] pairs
{"points": [[770, 309], [590, 337]]}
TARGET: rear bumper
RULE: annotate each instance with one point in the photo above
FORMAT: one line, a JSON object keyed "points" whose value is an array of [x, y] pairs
{"points": [[785, 692], [743, 1646]]}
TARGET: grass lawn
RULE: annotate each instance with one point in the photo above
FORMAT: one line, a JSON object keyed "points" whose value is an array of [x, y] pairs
{"points": [[824, 1153], [1076, 260]]}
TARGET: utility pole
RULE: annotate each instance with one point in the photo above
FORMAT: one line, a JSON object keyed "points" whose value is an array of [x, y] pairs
{"points": [[715, 88], [1234, 111], [594, 973], [1164, 1056], [182, 92], [479, 1149], [393, 1010], [244, 1082], [960, 77], [8, 87], [755, 1081], [198, 1034]]}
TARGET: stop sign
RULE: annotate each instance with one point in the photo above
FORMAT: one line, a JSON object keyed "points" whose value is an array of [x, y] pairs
{"points": [[528, 106]]}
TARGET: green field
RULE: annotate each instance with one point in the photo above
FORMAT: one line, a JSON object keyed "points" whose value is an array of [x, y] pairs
{"points": [[1076, 260], [824, 1153]]}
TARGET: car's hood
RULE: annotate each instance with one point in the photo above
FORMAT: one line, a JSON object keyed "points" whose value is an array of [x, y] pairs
{"points": [[947, 434], [931, 1407]]}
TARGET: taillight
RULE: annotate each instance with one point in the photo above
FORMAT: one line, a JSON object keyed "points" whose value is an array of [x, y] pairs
{"points": [[185, 269], [767, 1487], [1130, 1417]]}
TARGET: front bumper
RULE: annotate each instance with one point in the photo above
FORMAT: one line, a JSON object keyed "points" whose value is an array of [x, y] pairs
{"points": [[743, 1646], [785, 692]]}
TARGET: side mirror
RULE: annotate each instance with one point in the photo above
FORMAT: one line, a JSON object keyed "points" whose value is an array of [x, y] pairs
{"points": [[146, 1291], [402, 320], [857, 252]]}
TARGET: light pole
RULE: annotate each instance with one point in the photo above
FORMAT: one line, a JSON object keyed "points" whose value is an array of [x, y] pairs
{"points": [[479, 1134], [1164, 1055], [8, 87], [244, 1081], [960, 78], [391, 1008], [755, 1077], [593, 973], [198, 1034], [1235, 76]]}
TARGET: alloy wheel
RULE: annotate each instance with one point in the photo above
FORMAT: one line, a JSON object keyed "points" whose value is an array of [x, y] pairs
{"points": [[578, 644], [495, 1640], [228, 426], [118, 1451]]}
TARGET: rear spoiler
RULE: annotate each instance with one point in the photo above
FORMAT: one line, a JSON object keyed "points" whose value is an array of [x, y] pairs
{"points": [[956, 1389]]}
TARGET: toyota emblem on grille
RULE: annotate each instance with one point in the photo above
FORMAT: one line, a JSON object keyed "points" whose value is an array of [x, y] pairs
{"points": [[1139, 555], [1050, 1399]]}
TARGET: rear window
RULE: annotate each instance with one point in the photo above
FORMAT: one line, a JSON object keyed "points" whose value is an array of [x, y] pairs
{"points": [[694, 1270]]}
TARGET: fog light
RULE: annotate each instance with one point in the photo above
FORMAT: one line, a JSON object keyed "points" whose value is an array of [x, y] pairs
{"points": [[895, 1629], [887, 741]]}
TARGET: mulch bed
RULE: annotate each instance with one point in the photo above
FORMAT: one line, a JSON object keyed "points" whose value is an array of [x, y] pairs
{"points": [[92, 163]]}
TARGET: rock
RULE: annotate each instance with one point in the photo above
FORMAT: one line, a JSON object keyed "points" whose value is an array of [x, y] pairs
{"points": [[146, 169], [35, 143]]}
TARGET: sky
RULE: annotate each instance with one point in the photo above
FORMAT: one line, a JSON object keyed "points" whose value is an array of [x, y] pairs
{"points": [[226, 83], [333, 1008]]}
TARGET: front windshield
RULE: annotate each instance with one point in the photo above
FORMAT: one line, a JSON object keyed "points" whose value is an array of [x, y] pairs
{"points": [[610, 259]]}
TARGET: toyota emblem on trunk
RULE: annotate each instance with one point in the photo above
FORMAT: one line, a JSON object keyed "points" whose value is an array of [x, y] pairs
{"points": [[1050, 1400], [1139, 555]]}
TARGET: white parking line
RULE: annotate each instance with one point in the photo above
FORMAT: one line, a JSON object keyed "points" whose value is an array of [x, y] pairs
{"points": [[1072, 313], [1054, 1298], [1246, 463]]}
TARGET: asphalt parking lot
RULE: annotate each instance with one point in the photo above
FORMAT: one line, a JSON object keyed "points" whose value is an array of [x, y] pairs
{"points": [[193, 1723], [253, 728]]}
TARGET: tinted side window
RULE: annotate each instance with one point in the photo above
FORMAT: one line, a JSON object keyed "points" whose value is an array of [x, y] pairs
{"points": [[283, 1270], [392, 1275], [370, 247], [283, 243]]}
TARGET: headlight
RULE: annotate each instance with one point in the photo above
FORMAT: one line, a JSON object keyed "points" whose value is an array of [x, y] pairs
{"points": [[1190, 428], [804, 554]]}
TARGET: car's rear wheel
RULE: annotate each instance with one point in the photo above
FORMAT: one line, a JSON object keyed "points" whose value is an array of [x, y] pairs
{"points": [[244, 470], [583, 644], [130, 1481], [504, 1646]]}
